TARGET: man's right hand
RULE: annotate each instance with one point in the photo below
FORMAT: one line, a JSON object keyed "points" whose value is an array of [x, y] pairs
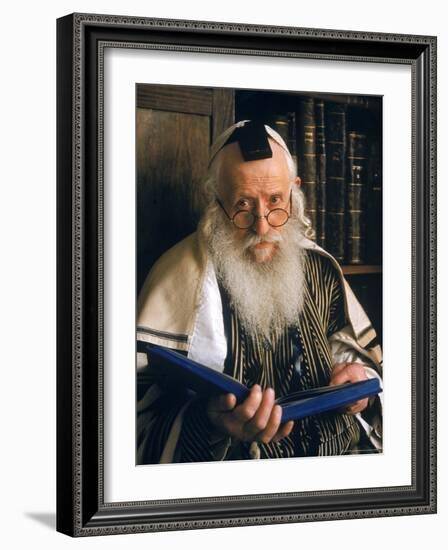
{"points": [[257, 418]]}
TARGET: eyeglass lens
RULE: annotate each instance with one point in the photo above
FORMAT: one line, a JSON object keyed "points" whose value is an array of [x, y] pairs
{"points": [[275, 218]]}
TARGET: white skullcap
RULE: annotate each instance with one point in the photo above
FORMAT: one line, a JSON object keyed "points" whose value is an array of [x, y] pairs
{"points": [[222, 139]]}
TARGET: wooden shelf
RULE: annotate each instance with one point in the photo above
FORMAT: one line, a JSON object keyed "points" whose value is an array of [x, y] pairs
{"points": [[361, 269]]}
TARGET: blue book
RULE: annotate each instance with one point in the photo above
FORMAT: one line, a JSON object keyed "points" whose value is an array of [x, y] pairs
{"points": [[206, 381]]}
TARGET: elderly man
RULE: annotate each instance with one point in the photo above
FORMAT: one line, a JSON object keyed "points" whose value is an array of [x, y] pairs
{"points": [[249, 294]]}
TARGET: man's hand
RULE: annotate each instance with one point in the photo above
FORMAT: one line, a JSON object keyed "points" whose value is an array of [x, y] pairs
{"points": [[257, 418], [350, 372]]}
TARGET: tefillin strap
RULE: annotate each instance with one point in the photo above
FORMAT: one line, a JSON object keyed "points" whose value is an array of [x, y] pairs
{"points": [[253, 140]]}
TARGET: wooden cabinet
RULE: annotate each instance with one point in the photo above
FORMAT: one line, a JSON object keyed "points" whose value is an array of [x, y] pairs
{"points": [[175, 126]]}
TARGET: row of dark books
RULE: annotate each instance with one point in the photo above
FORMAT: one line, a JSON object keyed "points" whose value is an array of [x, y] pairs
{"points": [[337, 147]]}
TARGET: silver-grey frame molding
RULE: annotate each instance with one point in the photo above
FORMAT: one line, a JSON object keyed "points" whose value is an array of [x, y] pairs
{"points": [[81, 40]]}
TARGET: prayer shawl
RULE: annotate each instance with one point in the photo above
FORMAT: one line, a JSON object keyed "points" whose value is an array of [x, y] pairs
{"points": [[180, 307]]}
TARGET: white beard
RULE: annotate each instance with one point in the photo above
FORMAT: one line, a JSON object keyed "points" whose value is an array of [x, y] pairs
{"points": [[266, 295]]}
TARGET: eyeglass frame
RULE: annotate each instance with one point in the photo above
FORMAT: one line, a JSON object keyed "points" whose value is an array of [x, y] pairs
{"points": [[231, 218]]}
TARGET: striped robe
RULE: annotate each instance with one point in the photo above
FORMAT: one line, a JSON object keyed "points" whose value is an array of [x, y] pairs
{"points": [[298, 358]]}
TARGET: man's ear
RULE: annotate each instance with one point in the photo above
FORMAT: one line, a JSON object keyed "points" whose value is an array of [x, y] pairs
{"points": [[298, 181]]}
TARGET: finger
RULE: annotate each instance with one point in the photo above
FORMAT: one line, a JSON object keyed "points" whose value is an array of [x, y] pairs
{"points": [[222, 403], [356, 372], [247, 409], [338, 368], [284, 430], [351, 372], [349, 375], [340, 378], [357, 407], [337, 374], [261, 418], [272, 426]]}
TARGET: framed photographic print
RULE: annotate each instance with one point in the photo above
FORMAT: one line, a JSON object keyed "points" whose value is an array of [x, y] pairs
{"points": [[243, 208]]}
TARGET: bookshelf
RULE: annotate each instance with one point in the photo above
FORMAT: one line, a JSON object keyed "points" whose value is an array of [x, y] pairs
{"points": [[361, 269], [336, 141]]}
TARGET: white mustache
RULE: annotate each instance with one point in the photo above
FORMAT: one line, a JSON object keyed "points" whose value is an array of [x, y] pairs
{"points": [[271, 237]]}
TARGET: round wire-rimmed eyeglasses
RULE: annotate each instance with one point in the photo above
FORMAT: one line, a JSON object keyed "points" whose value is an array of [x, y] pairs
{"points": [[243, 219]]}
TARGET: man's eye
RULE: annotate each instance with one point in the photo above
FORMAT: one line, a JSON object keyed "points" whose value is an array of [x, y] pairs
{"points": [[276, 200], [243, 203]]}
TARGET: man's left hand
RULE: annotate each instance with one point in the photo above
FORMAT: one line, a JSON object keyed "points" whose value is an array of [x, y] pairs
{"points": [[350, 372]]}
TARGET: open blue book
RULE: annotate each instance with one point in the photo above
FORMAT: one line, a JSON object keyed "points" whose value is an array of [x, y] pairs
{"points": [[207, 381]]}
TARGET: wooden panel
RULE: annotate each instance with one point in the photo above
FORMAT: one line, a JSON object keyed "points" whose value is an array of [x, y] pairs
{"points": [[361, 269], [179, 99], [172, 156], [223, 110]]}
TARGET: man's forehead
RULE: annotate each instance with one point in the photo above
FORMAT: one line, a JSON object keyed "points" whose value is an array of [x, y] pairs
{"points": [[234, 168]]}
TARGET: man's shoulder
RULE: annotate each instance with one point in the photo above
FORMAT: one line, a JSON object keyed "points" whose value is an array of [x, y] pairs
{"points": [[187, 251], [169, 294], [178, 268], [320, 261]]}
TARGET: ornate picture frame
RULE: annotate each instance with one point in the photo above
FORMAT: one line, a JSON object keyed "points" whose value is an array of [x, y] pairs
{"points": [[82, 40]]}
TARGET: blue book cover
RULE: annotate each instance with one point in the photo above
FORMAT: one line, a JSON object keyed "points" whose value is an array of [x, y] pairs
{"points": [[207, 381]]}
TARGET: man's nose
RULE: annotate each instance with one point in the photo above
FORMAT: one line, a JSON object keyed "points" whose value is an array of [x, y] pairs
{"points": [[261, 225]]}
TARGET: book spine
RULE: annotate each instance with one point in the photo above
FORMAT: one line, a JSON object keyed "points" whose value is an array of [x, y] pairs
{"points": [[374, 236], [292, 138], [321, 173], [336, 115], [356, 191], [307, 155], [285, 125]]}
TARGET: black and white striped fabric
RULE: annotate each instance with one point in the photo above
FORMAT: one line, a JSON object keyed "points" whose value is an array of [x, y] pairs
{"points": [[298, 358]]}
